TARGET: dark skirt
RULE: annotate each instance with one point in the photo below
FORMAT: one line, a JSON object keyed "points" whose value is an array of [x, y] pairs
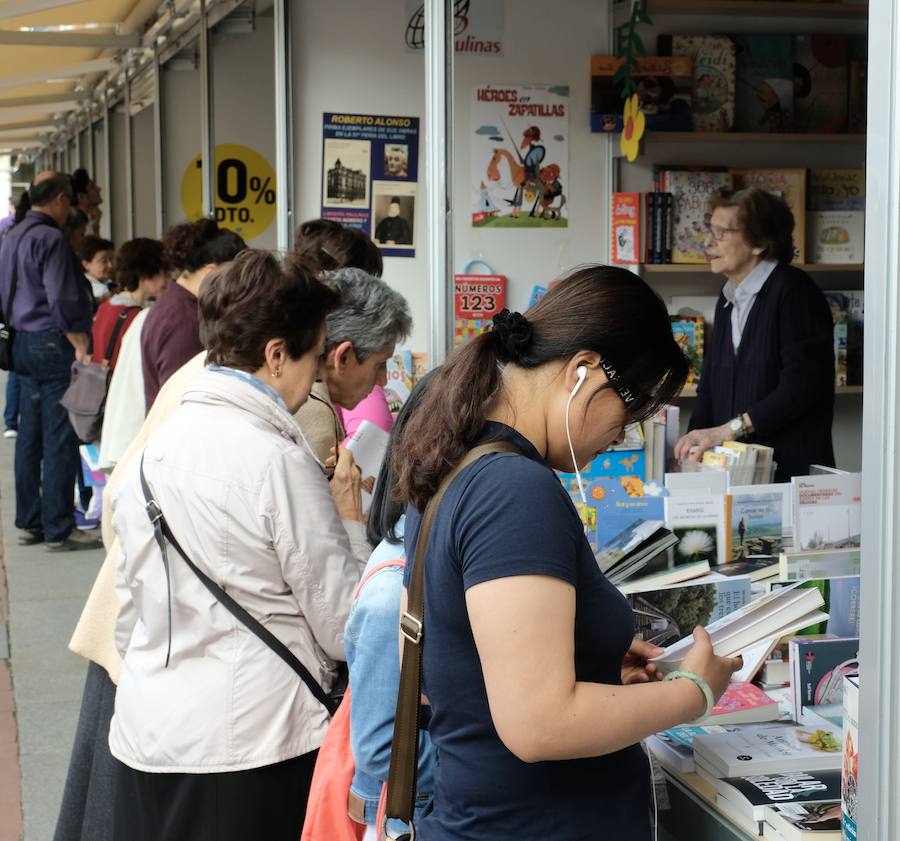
{"points": [[262, 803]]}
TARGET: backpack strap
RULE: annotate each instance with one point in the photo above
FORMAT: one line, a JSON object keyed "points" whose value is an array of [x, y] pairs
{"points": [[117, 331], [407, 723], [396, 563]]}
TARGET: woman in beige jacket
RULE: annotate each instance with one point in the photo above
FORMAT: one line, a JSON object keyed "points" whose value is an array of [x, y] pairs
{"points": [[214, 736]]}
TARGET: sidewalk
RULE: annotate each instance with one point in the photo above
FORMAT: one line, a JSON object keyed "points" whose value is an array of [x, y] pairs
{"points": [[46, 593]]}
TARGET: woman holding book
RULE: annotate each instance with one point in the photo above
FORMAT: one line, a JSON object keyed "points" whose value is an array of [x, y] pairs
{"points": [[768, 375], [539, 692]]}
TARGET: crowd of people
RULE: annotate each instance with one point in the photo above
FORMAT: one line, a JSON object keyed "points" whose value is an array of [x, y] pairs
{"points": [[236, 379]]}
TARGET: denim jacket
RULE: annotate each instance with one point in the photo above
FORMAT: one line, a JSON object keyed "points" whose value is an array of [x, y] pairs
{"points": [[371, 644]]}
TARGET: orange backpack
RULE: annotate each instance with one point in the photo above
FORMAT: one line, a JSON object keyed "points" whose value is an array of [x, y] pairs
{"points": [[326, 809]]}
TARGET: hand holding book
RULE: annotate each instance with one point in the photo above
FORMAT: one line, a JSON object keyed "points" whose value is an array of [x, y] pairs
{"points": [[706, 664]]}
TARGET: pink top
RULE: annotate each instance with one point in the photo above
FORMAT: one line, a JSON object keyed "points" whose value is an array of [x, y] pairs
{"points": [[373, 408]]}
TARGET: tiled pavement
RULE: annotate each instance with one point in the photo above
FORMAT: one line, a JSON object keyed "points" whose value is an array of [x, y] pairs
{"points": [[46, 593]]}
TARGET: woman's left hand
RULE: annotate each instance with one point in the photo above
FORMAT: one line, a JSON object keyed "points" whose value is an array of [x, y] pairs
{"points": [[635, 666]]}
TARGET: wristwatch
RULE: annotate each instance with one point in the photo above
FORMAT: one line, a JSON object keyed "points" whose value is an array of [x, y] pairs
{"points": [[739, 428]]}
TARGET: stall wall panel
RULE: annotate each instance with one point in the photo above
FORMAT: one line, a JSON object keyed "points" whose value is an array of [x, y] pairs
{"points": [[363, 66], [83, 145], [243, 76], [145, 197], [99, 173], [118, 193], [181, 133]]}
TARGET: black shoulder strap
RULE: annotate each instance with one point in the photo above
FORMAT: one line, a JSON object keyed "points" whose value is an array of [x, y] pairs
{"points": [[6, 313], [401, 793], [117, 331], [162, 533]]}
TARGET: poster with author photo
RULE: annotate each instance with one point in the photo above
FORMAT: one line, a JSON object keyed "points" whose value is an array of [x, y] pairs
{"points": [[370, 168]]}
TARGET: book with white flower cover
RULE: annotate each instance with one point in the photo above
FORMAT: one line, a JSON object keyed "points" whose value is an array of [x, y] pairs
{"points": [[777, 614], [698, 521]]}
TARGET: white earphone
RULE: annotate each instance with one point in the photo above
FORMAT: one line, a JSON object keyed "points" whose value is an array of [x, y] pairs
{"points": [[581, 372]]}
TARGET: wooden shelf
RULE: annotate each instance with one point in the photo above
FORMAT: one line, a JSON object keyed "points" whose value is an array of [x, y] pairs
{"points": [[690, 393], [754, 8], [700, 268], [748, 137]]}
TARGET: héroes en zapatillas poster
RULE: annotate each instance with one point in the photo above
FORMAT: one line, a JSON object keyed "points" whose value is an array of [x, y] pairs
{"points": [[370, 169], [520, 156]]}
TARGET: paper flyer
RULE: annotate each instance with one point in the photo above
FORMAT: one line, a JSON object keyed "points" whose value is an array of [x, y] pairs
{"points": [[370, 169], [520, 156]]}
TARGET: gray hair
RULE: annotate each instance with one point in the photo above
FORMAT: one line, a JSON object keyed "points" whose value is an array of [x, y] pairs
{"points": [[371, 315]]}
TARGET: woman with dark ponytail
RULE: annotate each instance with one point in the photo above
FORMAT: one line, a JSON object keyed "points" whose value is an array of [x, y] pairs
{"points": [[539, 691]]}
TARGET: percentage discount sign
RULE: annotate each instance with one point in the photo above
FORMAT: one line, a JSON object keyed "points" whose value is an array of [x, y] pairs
{"points": [[245, 190]]}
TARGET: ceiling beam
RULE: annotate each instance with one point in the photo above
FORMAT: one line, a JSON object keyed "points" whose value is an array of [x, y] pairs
{"points": [[42, 99], [34, 124], [18, 111], [68, 71], [19, 8], [94, 40]]}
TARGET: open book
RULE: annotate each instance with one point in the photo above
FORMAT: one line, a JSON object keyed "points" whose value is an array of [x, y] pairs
{"points": [[781, 612], [634, 548], [369, 445]]}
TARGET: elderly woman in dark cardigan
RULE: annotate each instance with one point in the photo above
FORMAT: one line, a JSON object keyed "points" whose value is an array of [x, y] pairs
{"points": [[768, 375]]}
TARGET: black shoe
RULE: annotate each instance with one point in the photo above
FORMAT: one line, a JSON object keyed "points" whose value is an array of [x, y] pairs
{"points": [[76, 540], [30, 537]]}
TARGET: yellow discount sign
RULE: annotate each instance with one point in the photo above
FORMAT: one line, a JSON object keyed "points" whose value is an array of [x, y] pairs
{"points": [[245, 190]]}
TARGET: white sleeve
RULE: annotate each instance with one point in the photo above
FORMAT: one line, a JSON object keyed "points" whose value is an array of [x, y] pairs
{"points": [[321, 558], [127, 615]]}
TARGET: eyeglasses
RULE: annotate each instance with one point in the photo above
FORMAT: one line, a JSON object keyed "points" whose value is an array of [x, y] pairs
{"points": [[718, 232]]}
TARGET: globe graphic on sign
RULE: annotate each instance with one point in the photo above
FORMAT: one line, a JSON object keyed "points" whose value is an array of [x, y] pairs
{"points": [[415, 30]]}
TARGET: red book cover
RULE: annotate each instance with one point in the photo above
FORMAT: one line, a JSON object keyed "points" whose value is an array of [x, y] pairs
{"points": [[742, 698], [626, 228]]}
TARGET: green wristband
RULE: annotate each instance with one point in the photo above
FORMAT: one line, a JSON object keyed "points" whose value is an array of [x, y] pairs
{"points": [[704, 688]]}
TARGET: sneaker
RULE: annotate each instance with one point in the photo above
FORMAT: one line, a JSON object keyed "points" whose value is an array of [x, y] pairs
{"points": [[76, 540], [30, 537], [11, 433]]}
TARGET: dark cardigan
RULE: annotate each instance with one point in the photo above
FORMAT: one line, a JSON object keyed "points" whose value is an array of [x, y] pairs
{"points": [[782, 375]]}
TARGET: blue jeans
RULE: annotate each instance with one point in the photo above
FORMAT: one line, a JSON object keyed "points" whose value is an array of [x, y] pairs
{"points": [[11, 412], [47, 458]]}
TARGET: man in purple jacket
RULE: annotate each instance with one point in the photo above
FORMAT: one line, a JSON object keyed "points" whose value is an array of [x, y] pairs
{"points": [[45, 299]]}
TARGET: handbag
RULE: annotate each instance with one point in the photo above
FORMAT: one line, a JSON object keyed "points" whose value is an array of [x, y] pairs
{"points": [[401, 786], [85, 398], [163, 535], [7, 331]]}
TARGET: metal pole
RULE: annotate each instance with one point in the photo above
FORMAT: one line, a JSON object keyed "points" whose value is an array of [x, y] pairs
{"points": [[129, 162], [284, 127], [438, 149], [78, 143], [91, 163], [158, 147], [879, 702], [106, 224], [207, 125]]}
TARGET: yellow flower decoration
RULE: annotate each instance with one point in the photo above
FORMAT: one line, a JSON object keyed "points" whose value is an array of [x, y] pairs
{"points": [[633, 128]]}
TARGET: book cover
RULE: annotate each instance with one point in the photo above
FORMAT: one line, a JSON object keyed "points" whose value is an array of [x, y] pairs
{"points": [[836, 189], [626, 231], [625, 464], [663, 86], [689, 334], [764, 96], [825, 563], [755, 526], [698, 521], [743, 703], [767, 749], [848, 312], [805, 822], [691, 191], [671, 754], [836, 236], [399, 379], [757, 568], [615, 504], [850, 767], [820, 83], [714, 77], [841, 600], [757, 791], [826, 511], [790, 185], [704, 305], [818, 667], [668, 614]]}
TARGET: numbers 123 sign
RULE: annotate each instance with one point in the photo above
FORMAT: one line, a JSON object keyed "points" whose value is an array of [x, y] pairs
{"points": [[478, 298]]}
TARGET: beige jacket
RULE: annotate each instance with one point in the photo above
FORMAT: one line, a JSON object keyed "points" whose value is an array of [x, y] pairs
{"points": [[250, 504], [321, 423]]}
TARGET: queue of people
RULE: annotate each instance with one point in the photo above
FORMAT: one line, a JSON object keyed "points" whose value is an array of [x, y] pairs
{"points": [[230, 403]]}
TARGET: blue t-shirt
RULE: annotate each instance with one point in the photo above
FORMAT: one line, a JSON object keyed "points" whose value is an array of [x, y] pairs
{"points": [[509, 515]]}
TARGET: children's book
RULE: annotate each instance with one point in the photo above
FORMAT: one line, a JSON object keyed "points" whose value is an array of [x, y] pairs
{"points": [[691, 191], [820, 83], [663, 86], [848, 312], [698, 521], [689, 333], [836, 189], [626, 228], [850, 766], [769, 749], [714, 77], [826, 511], [788, 184], [614, 505], [818, 667], [764, 98], [805, 821], [836, 236]]}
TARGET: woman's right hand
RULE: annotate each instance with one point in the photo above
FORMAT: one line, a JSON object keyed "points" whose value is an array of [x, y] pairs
{"points": [[702, 661], [345, 487]]}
